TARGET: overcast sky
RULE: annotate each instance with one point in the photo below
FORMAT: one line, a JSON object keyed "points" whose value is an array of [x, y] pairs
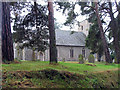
{"points": [[61, 18]]}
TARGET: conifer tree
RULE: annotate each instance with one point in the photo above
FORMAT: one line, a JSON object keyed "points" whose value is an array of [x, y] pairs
{"points": [[7, 43], [32, 30], [86, 8], [53, 50]]}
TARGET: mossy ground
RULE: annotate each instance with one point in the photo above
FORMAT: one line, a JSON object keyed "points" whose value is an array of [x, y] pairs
{"points": [[54, 79], [63, 75]]}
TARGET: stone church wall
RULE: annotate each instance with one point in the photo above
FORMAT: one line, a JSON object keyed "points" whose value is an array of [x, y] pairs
{"points": [[63, 52]]}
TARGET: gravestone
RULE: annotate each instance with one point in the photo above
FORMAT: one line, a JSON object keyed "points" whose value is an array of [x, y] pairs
{"points": [[91, 58], [81, 59]]}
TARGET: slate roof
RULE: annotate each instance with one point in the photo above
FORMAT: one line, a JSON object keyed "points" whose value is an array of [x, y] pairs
{"points": [[66, 38]]}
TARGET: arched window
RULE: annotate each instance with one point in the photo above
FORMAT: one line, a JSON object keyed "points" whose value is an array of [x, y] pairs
{"points": [[71, 53], [81, 27], [83, 52]]}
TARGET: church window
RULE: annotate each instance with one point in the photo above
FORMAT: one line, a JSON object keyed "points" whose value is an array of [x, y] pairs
{"points": [[71, 53], [81, 27], [83, 52]]}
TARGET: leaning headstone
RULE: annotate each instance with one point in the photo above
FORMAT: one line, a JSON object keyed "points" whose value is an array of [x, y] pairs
{"points": [[63, 60], [27, 54], [91, 58], [81, 59]]}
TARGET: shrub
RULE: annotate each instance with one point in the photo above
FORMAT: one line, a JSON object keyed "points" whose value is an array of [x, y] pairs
{"points": [[6, 62], [63, 59], [16, 60], [115, 60], [81, 60], [91, 58]]}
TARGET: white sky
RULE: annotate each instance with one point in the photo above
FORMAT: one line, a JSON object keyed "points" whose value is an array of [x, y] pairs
{"points": [[60, 17]]}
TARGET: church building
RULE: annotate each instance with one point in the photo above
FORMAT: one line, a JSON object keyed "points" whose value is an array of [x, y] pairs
{"points": [[70, 44]]}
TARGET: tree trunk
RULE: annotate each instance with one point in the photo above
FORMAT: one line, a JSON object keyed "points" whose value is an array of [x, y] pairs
{"points": [[53, 50], [35, 7], [33, 55], [0, 33], [114, 28], [7, 43], [105, 45], [99, 57]]}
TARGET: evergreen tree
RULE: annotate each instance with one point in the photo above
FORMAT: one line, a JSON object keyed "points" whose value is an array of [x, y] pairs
{"points": [[32, 30], [93, 40], [115, 30], [105, 45], [7, 43], [90, 9], [0, 33], [53, 49]]}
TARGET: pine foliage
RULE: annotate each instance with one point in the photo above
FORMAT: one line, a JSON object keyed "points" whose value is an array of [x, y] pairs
{"points": [[32, 30]]}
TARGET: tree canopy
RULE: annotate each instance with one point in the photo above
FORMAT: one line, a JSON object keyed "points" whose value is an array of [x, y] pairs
{"points": [[32, 29], [104, 11]]}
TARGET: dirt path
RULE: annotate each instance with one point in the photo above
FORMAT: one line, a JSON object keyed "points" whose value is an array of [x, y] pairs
{"points": [[107, 70]]}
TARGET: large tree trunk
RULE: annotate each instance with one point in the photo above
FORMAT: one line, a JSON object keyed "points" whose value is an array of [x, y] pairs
{"points": [[114, 27], [7, 43], [53, 50], [105, 45], [0, 33], [99, 57]]}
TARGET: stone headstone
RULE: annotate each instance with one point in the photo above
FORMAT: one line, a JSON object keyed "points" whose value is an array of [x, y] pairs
{"points": [[91, 59], [81, 59]]}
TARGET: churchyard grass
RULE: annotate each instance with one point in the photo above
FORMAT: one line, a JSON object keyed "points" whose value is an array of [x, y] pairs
{"points": [[62, 66], [41, 74]]}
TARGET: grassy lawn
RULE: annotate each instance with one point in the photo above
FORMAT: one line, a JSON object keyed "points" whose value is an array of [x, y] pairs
{"points": [[40, 74], [62, 66]]}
